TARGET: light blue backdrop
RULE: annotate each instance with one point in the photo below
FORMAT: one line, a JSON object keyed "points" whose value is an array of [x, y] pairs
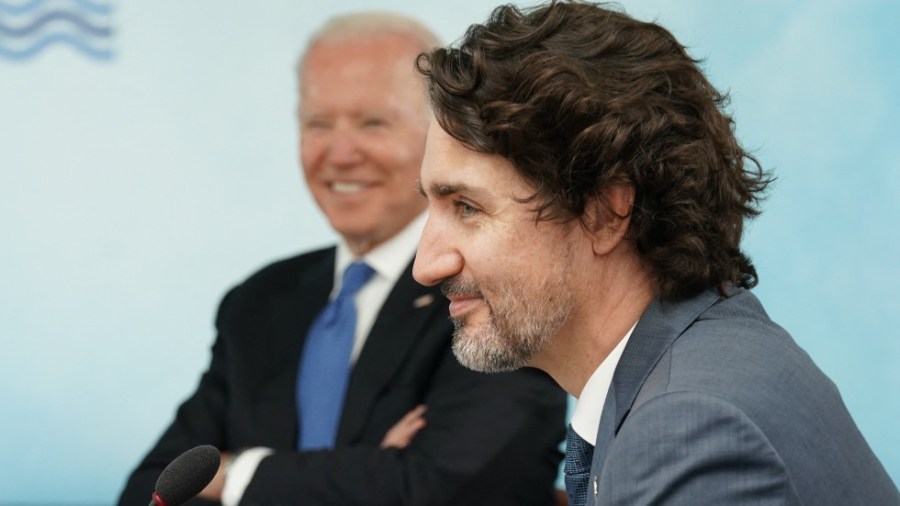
{"points": [[148, 165]]}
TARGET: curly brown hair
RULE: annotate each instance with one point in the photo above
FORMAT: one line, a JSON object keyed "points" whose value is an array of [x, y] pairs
{"points": [[579, 97]]}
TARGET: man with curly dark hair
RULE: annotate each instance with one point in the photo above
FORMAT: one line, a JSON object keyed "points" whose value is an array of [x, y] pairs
{"points": [[587, 197]]}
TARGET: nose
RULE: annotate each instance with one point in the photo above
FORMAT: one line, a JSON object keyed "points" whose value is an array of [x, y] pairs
{"points": [[344, 148], [437, 258]]}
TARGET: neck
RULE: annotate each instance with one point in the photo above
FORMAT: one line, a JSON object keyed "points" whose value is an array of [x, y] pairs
{"points": [[609, 304]]}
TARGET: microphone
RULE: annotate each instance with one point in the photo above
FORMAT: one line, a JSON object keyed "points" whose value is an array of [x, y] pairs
{"points": [[186, 476]]}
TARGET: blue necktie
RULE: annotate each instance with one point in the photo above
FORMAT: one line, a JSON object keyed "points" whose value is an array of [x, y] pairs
{"points": [[579, 454], [325, 365]]}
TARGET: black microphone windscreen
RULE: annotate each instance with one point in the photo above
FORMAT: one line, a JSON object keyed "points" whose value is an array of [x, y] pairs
{"points": [[188, 474]]}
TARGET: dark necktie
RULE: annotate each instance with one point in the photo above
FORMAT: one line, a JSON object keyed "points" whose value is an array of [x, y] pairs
{"points": [[579, 454], [325, 364]]}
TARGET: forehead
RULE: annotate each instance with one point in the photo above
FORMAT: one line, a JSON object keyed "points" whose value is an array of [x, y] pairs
{"points": [[449, 166], [353, 65]]}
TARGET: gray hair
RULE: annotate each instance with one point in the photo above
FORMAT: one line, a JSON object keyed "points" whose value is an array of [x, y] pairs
{"points": [[370, 24]]}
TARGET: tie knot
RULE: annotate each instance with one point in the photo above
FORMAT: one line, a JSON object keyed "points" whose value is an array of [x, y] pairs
{"points": [[356, 275]]}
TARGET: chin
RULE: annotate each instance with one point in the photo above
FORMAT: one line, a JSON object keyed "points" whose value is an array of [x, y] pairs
{"points": [[352, 227], [482, 349]]}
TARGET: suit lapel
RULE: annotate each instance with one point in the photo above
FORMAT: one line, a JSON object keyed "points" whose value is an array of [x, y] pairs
{"points": [[295, 314], [399, 325], [657, 329]]}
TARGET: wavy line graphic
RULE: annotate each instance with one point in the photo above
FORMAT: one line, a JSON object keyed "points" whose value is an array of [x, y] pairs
{"points": [[50, 16], [56, 38], [86, 5]]}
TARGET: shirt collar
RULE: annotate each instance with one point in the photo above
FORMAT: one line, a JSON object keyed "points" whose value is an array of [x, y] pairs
{"points": [[589, 407], [388, 259]]}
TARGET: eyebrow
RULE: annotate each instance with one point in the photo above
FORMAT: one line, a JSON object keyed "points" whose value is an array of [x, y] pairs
{"points": [[442, 190]]}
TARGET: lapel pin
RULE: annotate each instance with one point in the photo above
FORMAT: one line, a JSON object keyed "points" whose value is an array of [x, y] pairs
{"points": [[424, 300]]}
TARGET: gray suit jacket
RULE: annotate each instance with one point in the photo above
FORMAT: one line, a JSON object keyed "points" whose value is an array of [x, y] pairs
{"points": [[713, 403]]}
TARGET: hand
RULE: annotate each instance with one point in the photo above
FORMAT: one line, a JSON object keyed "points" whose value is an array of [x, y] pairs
{"points": [[213, 491], [403, 432]]}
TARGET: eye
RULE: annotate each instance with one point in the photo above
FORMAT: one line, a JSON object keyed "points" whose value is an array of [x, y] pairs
{"points": [[316, 124], [465, 209], [373, 122]]}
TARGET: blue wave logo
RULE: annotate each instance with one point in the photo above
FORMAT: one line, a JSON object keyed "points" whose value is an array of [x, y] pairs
{"points": [[29, 28]]}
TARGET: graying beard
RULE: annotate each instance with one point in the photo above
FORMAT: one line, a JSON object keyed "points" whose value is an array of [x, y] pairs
{"points": [[477, 354], [490, 352], [502, 349]]}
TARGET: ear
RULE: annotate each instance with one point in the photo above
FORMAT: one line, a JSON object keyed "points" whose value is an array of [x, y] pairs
{"points": [[608, 216]]}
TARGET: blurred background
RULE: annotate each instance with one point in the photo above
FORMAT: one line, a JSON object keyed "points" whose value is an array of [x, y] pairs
{"points": [[148, 161]]}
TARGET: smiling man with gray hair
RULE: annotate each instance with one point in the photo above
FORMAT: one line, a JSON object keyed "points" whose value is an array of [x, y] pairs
{"points": [[332, 381]]}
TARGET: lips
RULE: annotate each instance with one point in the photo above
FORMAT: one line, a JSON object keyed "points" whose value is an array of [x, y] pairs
{"points": [[460, 305], [463, 295]]}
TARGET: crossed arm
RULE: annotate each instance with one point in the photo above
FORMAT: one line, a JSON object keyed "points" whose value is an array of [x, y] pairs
{"points": [[399, 436]]}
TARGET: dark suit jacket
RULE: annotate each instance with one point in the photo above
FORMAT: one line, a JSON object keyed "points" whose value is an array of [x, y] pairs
{"points": [[490, 439], [713, 403]]}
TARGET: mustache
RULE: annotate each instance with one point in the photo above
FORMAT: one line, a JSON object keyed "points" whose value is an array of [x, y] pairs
{"points": [[458, 287]]}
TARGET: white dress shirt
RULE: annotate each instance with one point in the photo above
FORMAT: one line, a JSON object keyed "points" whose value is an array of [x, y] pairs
{"points": [[589, 407], [388, 260]]}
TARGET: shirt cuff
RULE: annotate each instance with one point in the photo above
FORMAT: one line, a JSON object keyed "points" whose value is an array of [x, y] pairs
{"points": [[239, 473]]}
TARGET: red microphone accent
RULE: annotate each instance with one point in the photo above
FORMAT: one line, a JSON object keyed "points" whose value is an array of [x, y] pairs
{"points": [[158, 500]]}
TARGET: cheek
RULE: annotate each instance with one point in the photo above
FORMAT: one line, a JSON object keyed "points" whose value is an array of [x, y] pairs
{"points": [[403, 153], [410, 200], [502, 261], [399, 165], [487, 262], [312, 149]]}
